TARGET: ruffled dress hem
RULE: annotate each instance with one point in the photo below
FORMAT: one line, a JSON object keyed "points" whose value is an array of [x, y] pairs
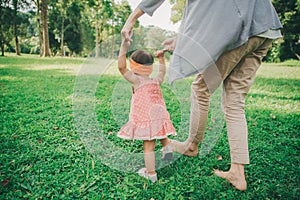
{"points": [[150, 131], [153, 138]]}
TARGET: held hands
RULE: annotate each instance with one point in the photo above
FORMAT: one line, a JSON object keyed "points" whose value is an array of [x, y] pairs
{"points": [[169, 44], [159, 53], [127, 31], [126, 34], [125, 44], [127, 28]]}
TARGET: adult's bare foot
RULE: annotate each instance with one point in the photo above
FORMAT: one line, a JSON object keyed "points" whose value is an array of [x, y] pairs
{"points": [[185, 148], [236, 178]]}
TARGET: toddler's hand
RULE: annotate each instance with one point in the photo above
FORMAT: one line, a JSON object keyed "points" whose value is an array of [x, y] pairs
{"points": [[125, 44], [159, 53]]}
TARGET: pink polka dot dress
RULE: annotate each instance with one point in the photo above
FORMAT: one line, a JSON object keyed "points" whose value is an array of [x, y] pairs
{"points": [[148, 118]]}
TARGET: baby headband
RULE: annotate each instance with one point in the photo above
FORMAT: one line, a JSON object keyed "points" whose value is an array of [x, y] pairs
{"points": [[140, 68]]}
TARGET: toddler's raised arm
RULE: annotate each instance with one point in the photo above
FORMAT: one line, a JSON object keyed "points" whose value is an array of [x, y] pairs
{"points": [[162, 65], [122, 57], [127, 74]]}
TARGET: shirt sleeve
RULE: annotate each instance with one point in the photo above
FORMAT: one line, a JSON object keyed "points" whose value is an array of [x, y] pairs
{"points": [[149, 6]]}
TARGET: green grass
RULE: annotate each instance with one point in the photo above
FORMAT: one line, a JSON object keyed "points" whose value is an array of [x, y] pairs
{"points": [[42, 156]]}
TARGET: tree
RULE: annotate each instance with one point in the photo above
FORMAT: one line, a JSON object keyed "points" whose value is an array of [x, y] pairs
{"points": [[6, 32], [17, 21], [11, 21], [88, 36], [105, 19], [289, 14], [101, 12], [73, 28], [177, 10], [38, 17], [15, 8], [62, 6], [57, 16], [155, 36], [46, 46], [121, 13]]}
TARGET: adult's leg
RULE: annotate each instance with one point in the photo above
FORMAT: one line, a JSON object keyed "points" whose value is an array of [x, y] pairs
{"points": [[203, 86], [149, 156], [200, 97], [235, 88]]}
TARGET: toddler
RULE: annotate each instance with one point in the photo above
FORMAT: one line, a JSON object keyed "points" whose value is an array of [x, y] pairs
{"points": [[148, 119]]}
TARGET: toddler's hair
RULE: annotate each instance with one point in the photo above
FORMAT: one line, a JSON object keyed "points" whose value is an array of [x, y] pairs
{"points": [[142, 57]]}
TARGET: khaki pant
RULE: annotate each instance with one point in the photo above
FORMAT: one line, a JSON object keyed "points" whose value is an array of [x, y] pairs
{"points": [[236, 69]]}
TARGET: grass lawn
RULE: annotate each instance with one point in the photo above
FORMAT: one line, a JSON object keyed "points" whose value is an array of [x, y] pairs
{"points": [[43, 157]]}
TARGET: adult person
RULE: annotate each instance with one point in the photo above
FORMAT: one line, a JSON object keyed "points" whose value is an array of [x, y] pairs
{"points": [[220, 41]]}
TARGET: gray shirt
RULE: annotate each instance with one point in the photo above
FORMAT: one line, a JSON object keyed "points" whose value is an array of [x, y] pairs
{"points": [[211, 27]]}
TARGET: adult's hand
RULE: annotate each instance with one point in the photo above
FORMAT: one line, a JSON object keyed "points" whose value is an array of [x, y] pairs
{"points": [[170, 44], [127, 30]]}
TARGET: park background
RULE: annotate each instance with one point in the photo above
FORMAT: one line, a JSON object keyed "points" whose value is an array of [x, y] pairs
{"points": [[44, 45]]}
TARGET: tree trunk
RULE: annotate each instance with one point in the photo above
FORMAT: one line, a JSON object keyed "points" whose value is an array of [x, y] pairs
{"points": [[101, 39], [46, 46], [41, 40], [113, 34], [112, 43], [62, 36], [40, 32], [97, 39], [18, 52], [1, 33], [2, 47]]}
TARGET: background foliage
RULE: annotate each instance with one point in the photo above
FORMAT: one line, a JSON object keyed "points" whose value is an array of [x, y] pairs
{"points": [[77, 27]]}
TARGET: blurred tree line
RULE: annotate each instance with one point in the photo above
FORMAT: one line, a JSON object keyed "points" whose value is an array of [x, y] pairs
{"points": [[289, 14], [60, 27], [76, 27]]}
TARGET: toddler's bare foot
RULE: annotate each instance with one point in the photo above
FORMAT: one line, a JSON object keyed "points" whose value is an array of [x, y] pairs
{"points": [[235, 178], [185, 148]]}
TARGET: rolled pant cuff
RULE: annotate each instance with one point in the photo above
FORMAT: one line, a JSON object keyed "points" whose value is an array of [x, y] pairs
{"points": [[240, 159]]}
